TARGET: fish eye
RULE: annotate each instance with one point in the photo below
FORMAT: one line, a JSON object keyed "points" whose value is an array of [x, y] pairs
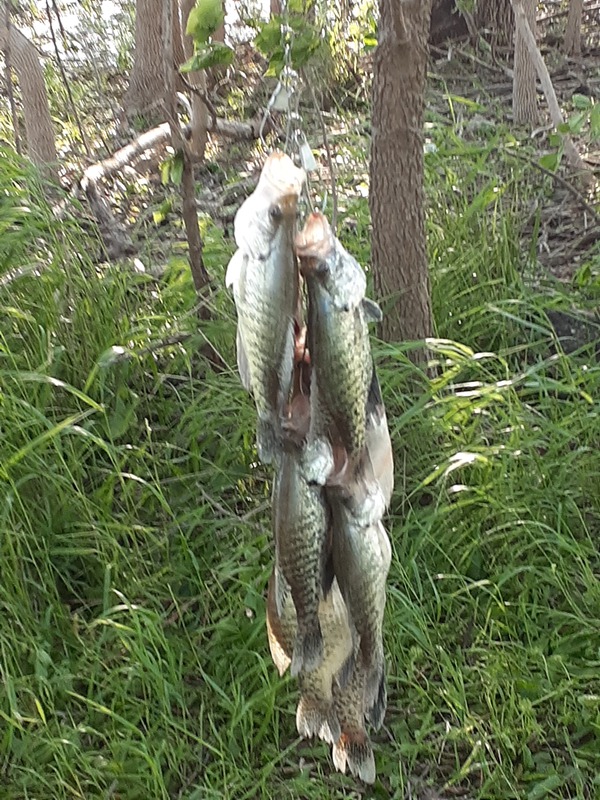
{"points": [[275, 213]]}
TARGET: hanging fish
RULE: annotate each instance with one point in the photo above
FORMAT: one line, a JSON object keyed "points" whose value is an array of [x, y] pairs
{"points": [[315, 715], [264, 275], [342, 365], [361, 561], [301, 527]]}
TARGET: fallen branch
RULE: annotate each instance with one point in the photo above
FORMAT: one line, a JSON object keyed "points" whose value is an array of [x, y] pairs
{"points": [[116, 239], [559, 179]]}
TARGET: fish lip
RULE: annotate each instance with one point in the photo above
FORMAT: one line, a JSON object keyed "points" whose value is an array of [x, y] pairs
{"points": [[280, 172], [287, 204], [314, 243]]}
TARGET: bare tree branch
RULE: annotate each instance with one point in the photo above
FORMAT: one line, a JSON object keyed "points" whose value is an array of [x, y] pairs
{"points": [[63, 74]]}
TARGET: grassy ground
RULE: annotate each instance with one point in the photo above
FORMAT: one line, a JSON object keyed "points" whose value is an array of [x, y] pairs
{"points": [[134, 523]]}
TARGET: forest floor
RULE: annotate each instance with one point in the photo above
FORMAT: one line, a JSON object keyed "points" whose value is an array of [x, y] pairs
{"points": [[134, 521]]}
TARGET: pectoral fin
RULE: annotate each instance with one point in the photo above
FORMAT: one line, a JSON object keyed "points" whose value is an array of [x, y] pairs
{"points": [[242, 362], [372, 311], [235, 271]]}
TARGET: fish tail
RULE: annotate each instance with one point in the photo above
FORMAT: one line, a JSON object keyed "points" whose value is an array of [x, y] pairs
{"points": [[353, 750], [376, 693], [308, 649], [316, 717]]}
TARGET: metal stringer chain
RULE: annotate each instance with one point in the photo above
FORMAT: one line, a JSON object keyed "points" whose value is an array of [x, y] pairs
{"points": [[286, 99]]}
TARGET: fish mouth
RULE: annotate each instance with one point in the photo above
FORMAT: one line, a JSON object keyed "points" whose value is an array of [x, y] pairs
{"points": [[284, 176], [285, 206], [314, 242]]}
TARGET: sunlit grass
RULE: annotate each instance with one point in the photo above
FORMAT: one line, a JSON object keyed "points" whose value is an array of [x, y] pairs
{"points": [[134, 525]]}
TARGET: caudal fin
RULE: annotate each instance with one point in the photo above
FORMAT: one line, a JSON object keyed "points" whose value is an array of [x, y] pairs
{"points": [[353, 751], [308, 649], [317, 718], [376, 704]]}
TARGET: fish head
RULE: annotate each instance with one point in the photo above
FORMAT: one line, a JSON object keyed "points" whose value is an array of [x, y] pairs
{"points": [[327, 264], [315, 244], [266, 221]]}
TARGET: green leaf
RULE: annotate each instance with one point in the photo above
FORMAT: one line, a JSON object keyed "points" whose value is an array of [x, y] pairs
{"points": [[204, 19], [581, 101], [269, 38], [177, 168], [543, 788], [577, 121], [160, 215], [213, 54], [550, 161], [595, 121]]}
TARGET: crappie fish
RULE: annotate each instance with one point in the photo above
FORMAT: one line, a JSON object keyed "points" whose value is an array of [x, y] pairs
{"points": [[264, 275], [361, 561], [301, 527], [340, 351], [353, 747], [315, 715]]}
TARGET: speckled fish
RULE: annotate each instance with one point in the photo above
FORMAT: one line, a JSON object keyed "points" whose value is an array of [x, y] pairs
{"points": [[353, 749], [301, 528], [315, 715], [264, 275], [361, 561], [338, 314]]}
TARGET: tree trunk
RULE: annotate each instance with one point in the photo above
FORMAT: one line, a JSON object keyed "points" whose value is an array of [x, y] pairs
{"points": [[447, 22], [572, 42], [199, 120], [38, 122], [396, 196], [497, 17], [571, 153], [525, 110], [147, 80]]}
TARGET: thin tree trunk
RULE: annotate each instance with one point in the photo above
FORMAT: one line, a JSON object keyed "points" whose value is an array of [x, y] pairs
{"points": [[8, 79], [396, 195], [525, 110], [556, 115], [188, 193], [147, 81], [199, 120], [572, 42], [496, 16], [38, 122]]}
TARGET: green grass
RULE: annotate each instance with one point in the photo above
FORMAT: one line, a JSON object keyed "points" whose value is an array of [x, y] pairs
{"points": [[134, 524]]}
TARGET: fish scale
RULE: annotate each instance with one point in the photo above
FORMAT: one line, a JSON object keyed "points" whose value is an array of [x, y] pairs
{"points": [[341, 354]]}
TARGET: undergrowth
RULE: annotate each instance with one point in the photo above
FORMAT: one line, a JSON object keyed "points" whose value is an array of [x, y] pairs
{"points": [[134, 522]]}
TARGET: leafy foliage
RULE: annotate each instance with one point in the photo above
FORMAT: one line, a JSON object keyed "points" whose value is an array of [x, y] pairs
{"points": [[134, 525]]}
